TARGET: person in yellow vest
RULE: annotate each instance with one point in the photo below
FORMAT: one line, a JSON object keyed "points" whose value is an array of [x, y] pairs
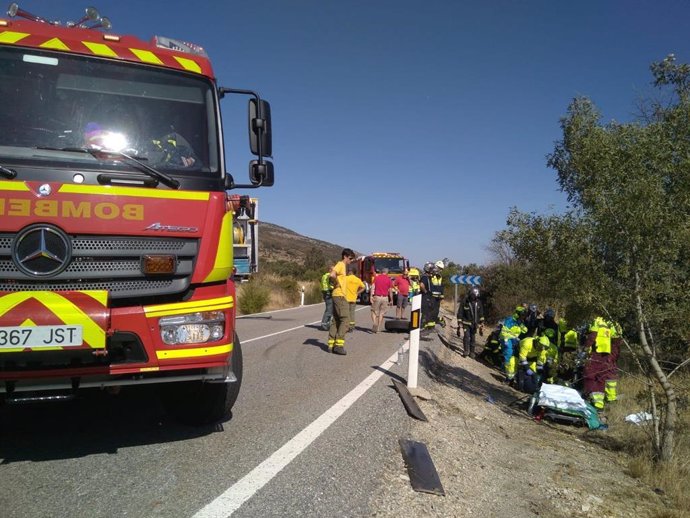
{"points": [[511, 329], [431, 285], [534, 356], [568, 358], [353, 287], [547, 363], [414, 282], [326, 285], [341, 308], [601, 370]]}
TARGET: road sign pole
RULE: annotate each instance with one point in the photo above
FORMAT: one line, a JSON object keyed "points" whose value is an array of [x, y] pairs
{"points": [[455, 300], [413, 359]]}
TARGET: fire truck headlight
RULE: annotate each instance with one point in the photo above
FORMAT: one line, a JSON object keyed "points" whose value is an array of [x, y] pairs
{"points": [[193, 328]]}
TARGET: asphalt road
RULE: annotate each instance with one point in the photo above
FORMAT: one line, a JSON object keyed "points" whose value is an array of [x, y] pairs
{"points": [[111, 456]]}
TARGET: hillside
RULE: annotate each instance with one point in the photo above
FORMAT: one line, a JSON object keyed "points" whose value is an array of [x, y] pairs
{"points": [[278, 243]]}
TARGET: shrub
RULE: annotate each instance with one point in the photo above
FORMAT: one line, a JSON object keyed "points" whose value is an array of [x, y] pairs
{"points": [[312, 293], [253, 297]]}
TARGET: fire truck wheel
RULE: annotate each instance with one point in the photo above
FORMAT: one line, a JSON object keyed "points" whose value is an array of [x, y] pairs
{"points": [[199, 403], [397, 325]]}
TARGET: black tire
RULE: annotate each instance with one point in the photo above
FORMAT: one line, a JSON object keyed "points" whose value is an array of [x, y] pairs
{"points": [[397, 325], [198, 402]]}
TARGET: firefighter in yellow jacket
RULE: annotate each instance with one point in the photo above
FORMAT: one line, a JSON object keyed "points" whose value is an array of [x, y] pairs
{"points": [[601, 370]]}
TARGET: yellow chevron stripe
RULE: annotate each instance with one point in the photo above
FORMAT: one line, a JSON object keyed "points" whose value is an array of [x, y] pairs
{"points": [[100, 49], [222, 267], [188, 64], [12, 37], [137, 192], [188, 307], [54, 43], [146, 56], [13, 186], [62, 308], [193, 353], [99, 296]]}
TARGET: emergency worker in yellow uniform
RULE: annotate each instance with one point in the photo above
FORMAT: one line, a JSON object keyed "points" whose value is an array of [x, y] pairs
{"points": [[601, 370], [432, 290], [414, 282], [528, 356], [341, 308], [568, 358], [353, 287], [327, 286], [547, 363], [511, 329]]}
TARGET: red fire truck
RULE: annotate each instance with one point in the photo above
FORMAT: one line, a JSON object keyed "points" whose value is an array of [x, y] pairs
{"points": [[368, 265], [116, 226]]}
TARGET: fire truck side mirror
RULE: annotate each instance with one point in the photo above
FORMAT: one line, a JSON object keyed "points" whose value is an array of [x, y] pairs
{"points": [[260, 128], [261, 174]]}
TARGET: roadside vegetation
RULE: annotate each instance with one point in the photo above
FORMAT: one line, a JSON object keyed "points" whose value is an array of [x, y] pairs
{"points": [[621, 251], [670, 479]]}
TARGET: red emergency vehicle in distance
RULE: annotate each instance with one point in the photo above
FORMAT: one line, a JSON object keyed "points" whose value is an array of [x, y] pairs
{"points": [[369, 265], [116, 227]]}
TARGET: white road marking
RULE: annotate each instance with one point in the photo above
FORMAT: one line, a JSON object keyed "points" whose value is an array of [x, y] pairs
{"points": [[284, 331], [278, 310], [279, 332], [247, 486]]}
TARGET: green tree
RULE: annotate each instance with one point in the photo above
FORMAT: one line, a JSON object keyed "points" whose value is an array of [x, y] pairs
{"points": [[629, 185], [623, 247]]}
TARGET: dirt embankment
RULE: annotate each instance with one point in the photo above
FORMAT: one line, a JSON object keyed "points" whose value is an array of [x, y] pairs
{"points": [[495, 460]]}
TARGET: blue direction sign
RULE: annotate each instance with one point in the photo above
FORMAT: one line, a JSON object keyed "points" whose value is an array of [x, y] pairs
{"points": [[474, 280]]}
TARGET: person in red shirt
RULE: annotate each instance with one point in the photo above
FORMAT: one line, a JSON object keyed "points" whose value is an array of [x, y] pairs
{"points": [[381, 297], [402, 285]]}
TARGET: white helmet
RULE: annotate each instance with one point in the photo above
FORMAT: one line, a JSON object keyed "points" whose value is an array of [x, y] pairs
{"points": [[439, 265]]}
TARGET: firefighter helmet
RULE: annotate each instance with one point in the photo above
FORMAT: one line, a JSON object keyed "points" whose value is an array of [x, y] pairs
{"points": [[428, 267], [439, 265]]}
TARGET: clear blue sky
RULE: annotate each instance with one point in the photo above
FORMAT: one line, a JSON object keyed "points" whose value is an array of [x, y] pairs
{"points": [[412, 126]]}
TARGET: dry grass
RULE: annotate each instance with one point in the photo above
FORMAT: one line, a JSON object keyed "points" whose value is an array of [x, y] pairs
{"points": [[282, 292], [670, 479]]}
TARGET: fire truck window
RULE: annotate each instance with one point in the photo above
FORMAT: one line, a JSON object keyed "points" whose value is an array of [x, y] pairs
{"points": [[69, 101]]}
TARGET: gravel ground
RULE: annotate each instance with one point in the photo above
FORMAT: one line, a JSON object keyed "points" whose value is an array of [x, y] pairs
{"points": [[494, 460]]}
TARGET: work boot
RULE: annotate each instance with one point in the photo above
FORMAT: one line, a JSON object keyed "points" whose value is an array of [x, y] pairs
{"points": [[339, 350], [472, 353]]}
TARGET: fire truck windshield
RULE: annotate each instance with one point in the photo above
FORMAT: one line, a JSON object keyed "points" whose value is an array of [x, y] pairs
{"points": [[394, 265], [51, 103]]}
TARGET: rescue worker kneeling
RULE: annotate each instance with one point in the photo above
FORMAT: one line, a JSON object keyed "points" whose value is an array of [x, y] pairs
{"points": [[492, 352], [533, 357]]}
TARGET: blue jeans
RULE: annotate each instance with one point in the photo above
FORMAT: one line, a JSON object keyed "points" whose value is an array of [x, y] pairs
{"points": [[328, 312]]}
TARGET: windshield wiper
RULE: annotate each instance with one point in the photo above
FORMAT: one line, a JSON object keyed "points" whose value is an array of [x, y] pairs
{"points": [[7, 172], [102, 154]]}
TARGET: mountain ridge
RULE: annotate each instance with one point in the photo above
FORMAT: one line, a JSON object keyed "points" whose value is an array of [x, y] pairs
{"points": [[278, 243]]}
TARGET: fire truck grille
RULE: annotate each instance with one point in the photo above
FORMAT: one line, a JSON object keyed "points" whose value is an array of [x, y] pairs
{"points": [[107, 263]]}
